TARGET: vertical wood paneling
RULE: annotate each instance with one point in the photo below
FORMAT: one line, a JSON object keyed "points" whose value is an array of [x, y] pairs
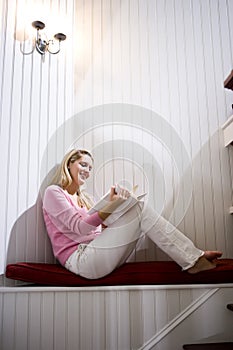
{"points": [[216, 158], [170, 57], [136, 313], [111, 323], [4, 121], [230, 27], [47, 320], [207, 108], [124, 330], [186, 64], [8, 316], [161, 309], [70, 319], [60, 321], [73, 320], [125, 52], [21, 319], [149, 317], [98, 321], [34, 321], [36, 97]]}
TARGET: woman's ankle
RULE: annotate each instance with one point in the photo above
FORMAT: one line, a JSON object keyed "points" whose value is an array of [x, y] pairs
{"points": [[202, 264]]}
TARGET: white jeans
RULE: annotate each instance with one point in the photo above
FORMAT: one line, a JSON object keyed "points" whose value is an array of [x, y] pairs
{"points": [[114, 245]]}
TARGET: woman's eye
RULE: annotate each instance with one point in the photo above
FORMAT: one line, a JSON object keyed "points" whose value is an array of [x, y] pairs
{"points": [[85, 165]]}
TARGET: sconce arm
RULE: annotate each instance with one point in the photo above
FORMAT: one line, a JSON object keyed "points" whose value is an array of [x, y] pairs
{"points": [[60, 37], [26, 53]]}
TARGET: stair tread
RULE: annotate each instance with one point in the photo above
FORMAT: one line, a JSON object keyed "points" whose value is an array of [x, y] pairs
{"points": [[209, 346]]}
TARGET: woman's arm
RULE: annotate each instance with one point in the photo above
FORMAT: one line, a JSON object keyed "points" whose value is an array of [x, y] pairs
{"points": [[65, 216]]}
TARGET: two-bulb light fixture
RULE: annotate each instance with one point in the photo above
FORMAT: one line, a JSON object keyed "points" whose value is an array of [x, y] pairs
{"points": [[41, 43]]}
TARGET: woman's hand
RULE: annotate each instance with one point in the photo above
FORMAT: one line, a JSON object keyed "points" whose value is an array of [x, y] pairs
{"points": [[116, 197], [118, 193]]}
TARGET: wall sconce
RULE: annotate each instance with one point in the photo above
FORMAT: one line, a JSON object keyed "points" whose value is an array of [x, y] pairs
{"points": [[41, 43]]}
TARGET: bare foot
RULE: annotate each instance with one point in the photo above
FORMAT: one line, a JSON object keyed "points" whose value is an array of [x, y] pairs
{"points": [[202, 264], [212, 254]]}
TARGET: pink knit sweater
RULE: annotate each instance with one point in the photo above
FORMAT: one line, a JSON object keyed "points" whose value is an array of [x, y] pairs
{"points": [[67, 225]]}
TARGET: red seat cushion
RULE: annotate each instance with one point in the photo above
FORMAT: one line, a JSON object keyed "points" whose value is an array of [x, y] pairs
{"points": [[133, 273]]}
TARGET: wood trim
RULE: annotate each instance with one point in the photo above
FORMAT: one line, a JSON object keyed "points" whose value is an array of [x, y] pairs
{"points": [[178, 319]]}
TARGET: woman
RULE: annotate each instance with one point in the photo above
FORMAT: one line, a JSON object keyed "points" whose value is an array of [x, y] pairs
{"points": [[93, 245]]}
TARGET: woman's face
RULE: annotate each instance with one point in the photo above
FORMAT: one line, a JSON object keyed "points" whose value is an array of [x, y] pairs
{"points": [[80, 170]]}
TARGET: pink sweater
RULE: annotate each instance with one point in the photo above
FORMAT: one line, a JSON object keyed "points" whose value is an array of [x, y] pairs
{"points": [[67, 224]]}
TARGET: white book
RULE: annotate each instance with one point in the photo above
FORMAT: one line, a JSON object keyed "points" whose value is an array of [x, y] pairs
{"points": [[123, 208]]}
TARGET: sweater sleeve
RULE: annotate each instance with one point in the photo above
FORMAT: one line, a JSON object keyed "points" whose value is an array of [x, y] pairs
{"points": [[66, 216]]}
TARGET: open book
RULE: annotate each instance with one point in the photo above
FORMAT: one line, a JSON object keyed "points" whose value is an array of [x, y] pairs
{"points": [[123, 208]]}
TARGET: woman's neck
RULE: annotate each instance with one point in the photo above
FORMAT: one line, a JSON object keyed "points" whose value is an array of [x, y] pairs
{"points": [[72, 189]]}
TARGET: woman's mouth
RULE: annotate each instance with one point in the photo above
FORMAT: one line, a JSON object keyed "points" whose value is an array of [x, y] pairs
{"points": [[83, 176]]}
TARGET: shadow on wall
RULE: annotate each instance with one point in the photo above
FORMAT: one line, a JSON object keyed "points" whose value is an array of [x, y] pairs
{"points": [[206, 220], [28, 238]]}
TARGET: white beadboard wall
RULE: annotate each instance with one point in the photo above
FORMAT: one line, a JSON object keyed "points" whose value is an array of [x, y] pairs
{"points": [[148, 84], [36, 97], [118, 319], [140, 83]]}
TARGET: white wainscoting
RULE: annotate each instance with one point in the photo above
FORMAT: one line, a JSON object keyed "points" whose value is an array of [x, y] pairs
{"points": [[114, 318]]}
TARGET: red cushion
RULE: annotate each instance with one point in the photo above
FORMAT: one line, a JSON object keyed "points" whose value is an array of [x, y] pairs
{"points": [[135, 273]]}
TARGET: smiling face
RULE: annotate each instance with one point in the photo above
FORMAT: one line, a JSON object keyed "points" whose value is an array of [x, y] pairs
{"points": [[80, 170]]}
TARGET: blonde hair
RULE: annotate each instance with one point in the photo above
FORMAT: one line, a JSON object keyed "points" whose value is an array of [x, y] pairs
{"points": [[63, 178]]}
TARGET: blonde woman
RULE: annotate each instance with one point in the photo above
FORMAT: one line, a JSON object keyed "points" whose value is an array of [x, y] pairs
{"points": [[93, 245]]}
